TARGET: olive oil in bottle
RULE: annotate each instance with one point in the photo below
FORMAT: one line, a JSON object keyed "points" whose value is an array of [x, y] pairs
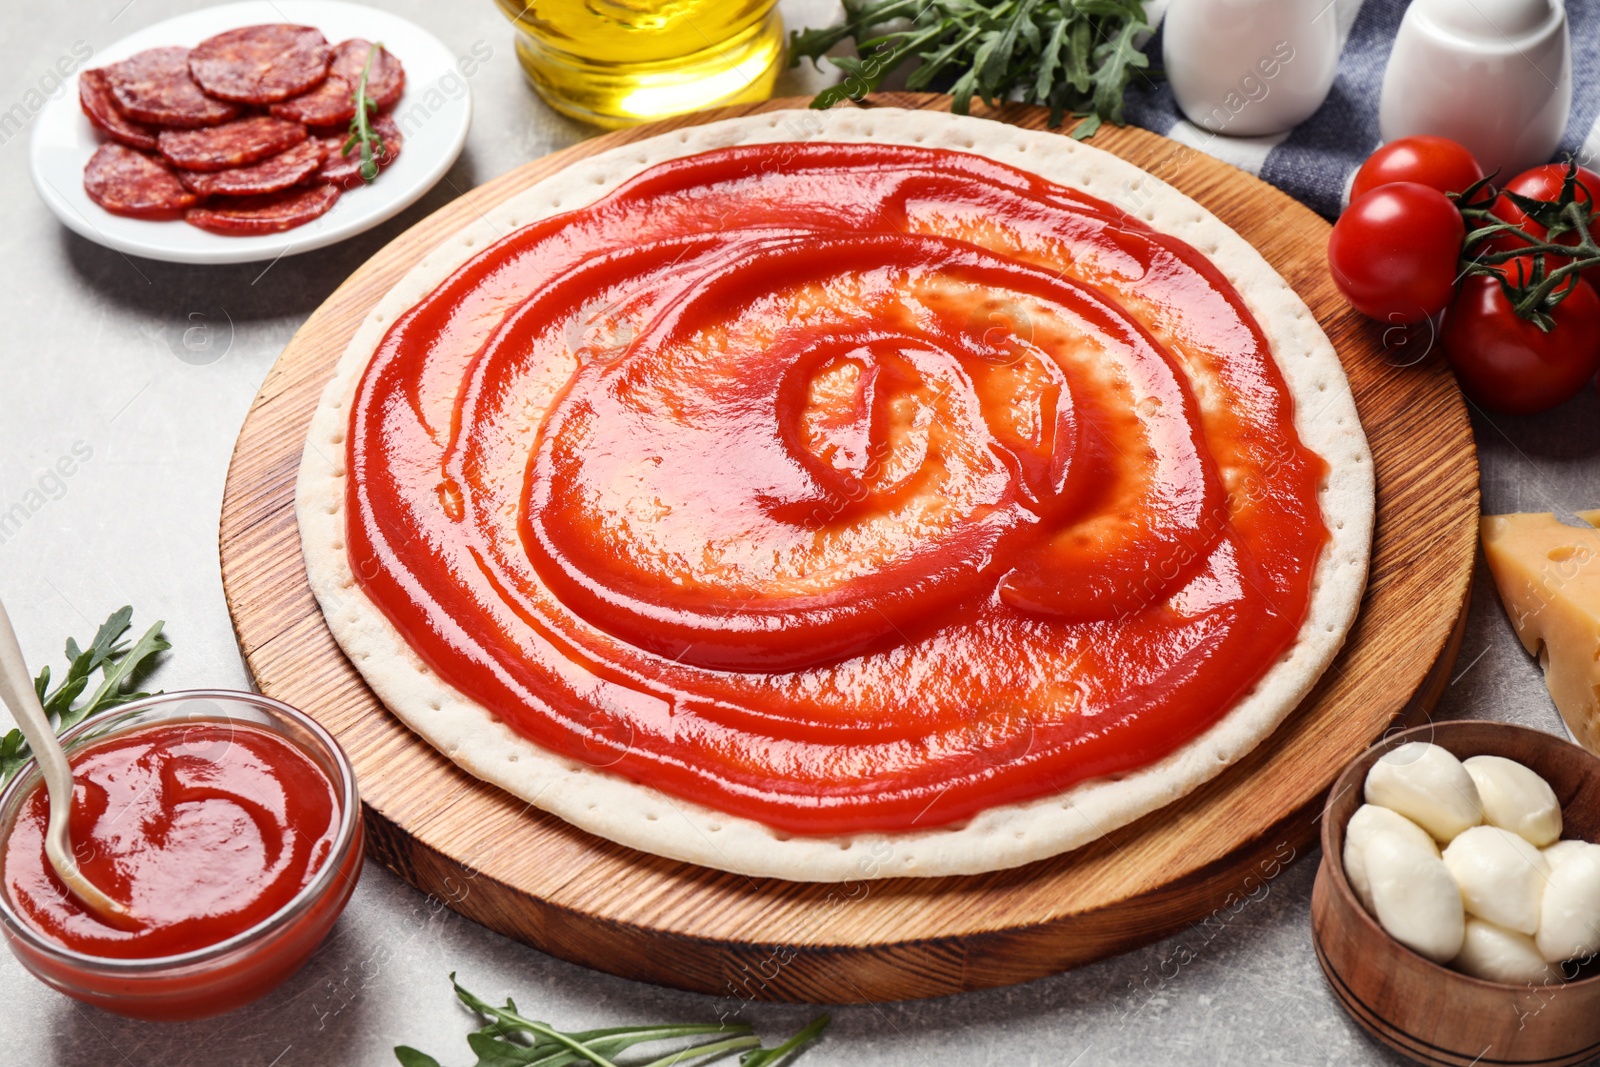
{"points": [[621, 62]]}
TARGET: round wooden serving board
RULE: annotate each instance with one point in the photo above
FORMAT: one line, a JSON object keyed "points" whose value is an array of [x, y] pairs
{"points": [[529, 875]]}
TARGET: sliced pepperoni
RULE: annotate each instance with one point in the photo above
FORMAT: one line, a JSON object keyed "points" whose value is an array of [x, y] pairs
{"points": [[272, 213], [155, 86], [126, 182], [345, 170], [234, 144], [333, 102], [94, 96], [385, 81], [269, 176], [329, 104], [261, 64]]}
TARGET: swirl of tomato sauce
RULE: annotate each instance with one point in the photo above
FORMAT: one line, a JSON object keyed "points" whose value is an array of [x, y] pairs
{"points": [[843, 487]]}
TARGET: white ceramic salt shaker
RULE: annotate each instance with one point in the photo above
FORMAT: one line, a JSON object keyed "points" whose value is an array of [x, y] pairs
{"points": [[1247, 68], [1495, 75]]}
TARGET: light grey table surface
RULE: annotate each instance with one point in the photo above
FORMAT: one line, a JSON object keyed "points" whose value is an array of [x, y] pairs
{"points": [[101, 361]]}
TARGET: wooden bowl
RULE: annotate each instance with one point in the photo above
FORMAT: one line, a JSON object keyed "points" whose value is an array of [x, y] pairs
{"points": [[1422, 1009]]}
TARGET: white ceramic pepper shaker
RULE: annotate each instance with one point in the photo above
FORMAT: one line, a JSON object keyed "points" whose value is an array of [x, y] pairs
{"points": [[1495, 75], [1247, 68]]}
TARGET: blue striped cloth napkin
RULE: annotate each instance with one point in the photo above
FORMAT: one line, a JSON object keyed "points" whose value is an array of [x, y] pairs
{"points": [[1315, 161]]}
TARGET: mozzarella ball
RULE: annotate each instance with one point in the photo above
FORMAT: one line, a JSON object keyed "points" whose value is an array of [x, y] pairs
{"points": [[1369, 821], [1569, 920], [1414, 897], [1427, 785], [1515, 798], [1557, 853], [1500, 955], [1502, 877]]}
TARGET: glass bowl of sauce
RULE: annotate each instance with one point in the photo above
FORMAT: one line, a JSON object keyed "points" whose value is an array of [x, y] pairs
{"points": [[230, 825]]}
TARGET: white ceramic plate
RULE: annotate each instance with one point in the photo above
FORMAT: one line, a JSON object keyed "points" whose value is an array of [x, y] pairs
{"points": [[433, 116]]}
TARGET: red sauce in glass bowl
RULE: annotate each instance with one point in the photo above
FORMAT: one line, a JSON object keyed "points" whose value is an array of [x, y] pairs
{"points": [[229, 821], [202, 829]]}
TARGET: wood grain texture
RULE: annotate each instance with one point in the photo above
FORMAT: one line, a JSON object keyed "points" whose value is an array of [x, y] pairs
{"points": [[1417, 1007], [531, 876]]}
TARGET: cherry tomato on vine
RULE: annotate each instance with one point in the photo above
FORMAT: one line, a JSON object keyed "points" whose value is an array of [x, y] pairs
{"points": [[1393, 252], [1544, 183], [1436, 162], [1506, 363]]}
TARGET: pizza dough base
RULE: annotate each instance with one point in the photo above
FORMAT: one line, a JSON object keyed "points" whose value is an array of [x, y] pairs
{"points": [[1008, 836]]}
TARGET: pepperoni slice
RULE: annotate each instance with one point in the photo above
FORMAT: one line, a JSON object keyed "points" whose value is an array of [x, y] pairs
{"points": [[126, 182], [272, 213], [232, 145], [345, 170], [155, 86], [332, 103], [385, 81], [261, 64], [94, 96], [269, 176]]}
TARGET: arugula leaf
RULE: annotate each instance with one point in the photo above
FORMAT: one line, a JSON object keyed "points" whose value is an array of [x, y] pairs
{"points": [[362, 135], [1116, 57], [510, 1039], [13, 754], [1074, 56], [765, 1056], [498, 1052], [410, 1057], [118, 665]]}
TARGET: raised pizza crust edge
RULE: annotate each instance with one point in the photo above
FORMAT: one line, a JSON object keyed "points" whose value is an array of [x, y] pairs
{"points": [[1007, 836]]}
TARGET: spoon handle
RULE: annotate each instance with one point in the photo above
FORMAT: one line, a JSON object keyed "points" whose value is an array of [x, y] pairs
{"points": [[16, 689]]}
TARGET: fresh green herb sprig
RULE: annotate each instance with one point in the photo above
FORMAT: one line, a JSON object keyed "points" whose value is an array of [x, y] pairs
{"points": [[1073, 56], [117, 664], [362, 135], [510, 1039], [1567, 240]]}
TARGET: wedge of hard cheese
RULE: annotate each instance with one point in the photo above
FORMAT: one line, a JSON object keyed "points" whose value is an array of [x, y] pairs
{"points": [[1548, 574]]}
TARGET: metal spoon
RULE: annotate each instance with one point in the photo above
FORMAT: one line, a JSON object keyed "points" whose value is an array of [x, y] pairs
{"points": [[16, 689]]}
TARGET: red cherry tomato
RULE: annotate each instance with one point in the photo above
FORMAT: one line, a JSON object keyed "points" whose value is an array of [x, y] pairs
{"points": [[1393, 252], [1506, 363], [1436, 162], [1544, 183]]}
